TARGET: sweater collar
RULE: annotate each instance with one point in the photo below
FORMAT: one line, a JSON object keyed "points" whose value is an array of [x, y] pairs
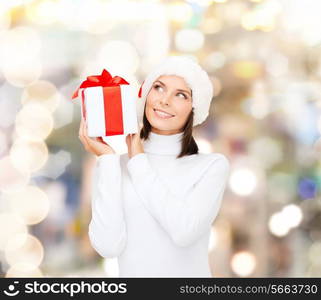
{"points": [[163, 144]]}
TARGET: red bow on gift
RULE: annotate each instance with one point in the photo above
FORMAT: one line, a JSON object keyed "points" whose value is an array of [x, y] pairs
{"points": [[105, 79]]}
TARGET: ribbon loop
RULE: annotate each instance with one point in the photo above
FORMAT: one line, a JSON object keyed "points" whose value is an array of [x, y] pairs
{"points": [[105, 79]]}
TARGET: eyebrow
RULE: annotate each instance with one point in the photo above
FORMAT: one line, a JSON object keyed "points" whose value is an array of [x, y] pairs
{"points": [[176, 90]]}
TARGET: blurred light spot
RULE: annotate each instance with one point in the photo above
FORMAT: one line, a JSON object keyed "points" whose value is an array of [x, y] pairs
{"points": [[293, 214], [10, 224], [18, 45], [19, 56], [278, 225], [179, 11], [247, 69], [210, 25], [28, 156], [11, 179], [307, 188], [262, 16], [5, 17], [31, 203], [215, 60], [23, 270], [24, 249], [21, 74], [41, 92], [307, 29], [34, 122], [189, 40], [43, 12], [119, 57], [243, 263], [266, 150], [277, 64], [243, 181]]}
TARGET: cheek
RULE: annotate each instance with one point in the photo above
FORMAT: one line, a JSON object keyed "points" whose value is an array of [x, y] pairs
{"points": [[183, 110], [151, 99], [149, 105]]}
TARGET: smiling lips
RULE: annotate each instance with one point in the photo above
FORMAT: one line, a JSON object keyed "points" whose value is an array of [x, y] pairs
{"points": [[162, 114]]}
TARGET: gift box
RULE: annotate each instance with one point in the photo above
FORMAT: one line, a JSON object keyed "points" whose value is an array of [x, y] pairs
{"points": [[108, 105]]}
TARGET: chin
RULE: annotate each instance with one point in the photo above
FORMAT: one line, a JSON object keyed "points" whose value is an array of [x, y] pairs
{"points": [[161, 125]]}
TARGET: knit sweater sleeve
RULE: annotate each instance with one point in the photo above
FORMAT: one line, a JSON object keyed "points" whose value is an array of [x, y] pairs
{"points": [[107, 228], [185, 217]]}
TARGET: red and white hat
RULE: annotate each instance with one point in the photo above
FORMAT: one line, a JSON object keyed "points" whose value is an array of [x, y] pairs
{"points": [[195, 77]]}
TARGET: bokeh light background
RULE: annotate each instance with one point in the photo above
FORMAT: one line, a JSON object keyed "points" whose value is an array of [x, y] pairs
{"points": [[263, 57]]}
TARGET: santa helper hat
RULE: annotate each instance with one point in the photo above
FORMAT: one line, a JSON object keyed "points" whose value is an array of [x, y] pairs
{"points": [[195, 77]]}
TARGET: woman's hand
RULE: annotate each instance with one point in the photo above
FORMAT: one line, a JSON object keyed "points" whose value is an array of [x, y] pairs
{"points": [[96, 145], [134, 144]]}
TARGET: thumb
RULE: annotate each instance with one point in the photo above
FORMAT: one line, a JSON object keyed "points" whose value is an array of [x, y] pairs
{"points": [[100, 139]]}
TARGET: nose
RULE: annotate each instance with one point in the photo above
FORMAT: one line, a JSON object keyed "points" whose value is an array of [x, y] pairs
{"points": [[165, 100]]}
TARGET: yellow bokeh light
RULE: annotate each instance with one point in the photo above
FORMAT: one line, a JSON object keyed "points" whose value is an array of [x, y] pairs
{"points": [[43, 12], [247, 69], [42, 92], [34, 122], [31, 203], [22, 249], [179, 12], [211, 25], [28, 156]]}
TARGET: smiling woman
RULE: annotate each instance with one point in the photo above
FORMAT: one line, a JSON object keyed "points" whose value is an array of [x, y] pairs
{"points": [[154, 206], [168, 110]]}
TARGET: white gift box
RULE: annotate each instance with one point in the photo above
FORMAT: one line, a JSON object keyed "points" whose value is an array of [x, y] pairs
{"points": [[109, 110]]}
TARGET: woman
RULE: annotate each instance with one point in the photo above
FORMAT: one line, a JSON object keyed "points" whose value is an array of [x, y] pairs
{"points": [[153, 207]]}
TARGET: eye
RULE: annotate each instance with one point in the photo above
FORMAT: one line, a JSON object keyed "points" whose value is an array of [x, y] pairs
{"points": [[183, 95], [156, 86]]}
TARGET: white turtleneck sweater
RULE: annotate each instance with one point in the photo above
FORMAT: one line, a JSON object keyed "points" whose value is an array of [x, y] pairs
{"points": [[154, 212]]}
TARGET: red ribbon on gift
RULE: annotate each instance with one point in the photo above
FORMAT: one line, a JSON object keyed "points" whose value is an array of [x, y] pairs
{"points": [[113, 109]]}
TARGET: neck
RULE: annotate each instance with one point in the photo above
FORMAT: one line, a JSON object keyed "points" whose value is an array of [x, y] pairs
{"points": [[163, 144]]}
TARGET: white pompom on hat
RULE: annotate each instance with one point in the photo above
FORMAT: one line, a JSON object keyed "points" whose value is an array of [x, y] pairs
{"points": [[196, 78]]}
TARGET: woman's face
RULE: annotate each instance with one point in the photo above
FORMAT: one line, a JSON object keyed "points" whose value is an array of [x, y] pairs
{"points": [[168, 104]]}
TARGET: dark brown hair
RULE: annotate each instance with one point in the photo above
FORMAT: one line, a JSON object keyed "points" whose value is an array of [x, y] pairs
{"points": [[189, 145]]}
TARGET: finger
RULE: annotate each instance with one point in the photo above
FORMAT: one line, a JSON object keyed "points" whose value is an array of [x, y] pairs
{"points": [[100, 139], [83, 141], [80, 125], [85, 128], [84, 137], [127, 139]]}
